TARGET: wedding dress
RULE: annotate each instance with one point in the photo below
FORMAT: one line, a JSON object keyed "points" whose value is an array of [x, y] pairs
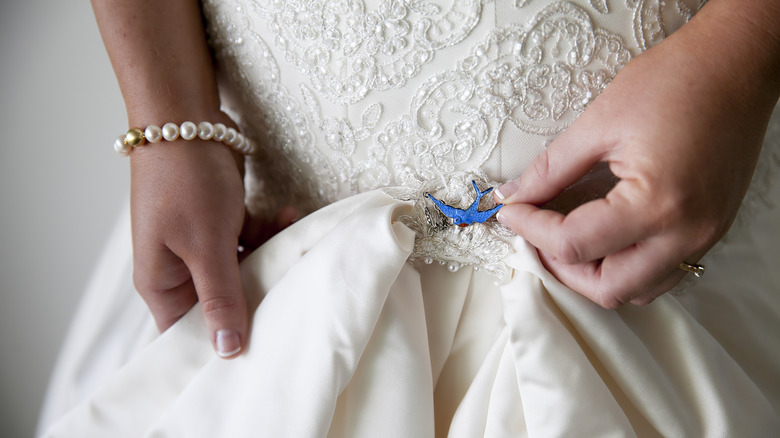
{"points": [[374, 318]]}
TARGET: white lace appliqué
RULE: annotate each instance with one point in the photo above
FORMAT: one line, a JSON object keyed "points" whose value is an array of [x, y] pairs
{"points": [[348, 50], [479, 245], [537, 74], [652, 19], [540, 80]]}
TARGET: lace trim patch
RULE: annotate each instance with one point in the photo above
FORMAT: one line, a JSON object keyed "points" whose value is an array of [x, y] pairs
{"points": [[479, 245]]}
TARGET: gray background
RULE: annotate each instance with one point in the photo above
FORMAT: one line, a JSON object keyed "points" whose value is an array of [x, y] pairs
{"points": [[61, 186]]}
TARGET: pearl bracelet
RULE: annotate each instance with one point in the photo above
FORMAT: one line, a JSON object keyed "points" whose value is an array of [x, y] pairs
{"points": [[188, 130]]}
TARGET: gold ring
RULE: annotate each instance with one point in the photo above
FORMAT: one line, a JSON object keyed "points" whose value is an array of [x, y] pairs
{"points": [[697, 270]]}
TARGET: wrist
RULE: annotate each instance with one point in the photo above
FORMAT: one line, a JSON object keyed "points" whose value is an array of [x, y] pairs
{"points": [[169, 132], [198, 109]]}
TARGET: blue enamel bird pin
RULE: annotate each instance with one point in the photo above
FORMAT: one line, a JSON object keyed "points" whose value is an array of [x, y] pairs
{"points": [[470, 215]]}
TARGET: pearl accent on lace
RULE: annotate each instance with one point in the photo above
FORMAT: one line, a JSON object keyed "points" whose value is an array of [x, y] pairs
{"points": [[480, 246], [187, 131]]}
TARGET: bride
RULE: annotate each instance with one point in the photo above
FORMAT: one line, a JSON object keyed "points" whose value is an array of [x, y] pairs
{"points": [[287, 162]]}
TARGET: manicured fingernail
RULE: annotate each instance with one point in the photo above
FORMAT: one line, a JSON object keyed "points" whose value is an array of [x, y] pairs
{"points": [[500, 217], [228, 343], [506, 190]]}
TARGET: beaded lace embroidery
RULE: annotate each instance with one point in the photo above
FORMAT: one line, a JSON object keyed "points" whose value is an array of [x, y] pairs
{"points": [[347, 50], [287, 64], [540, 79]]}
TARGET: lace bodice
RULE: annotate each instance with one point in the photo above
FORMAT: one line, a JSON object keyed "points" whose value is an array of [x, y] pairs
{"points": [[352, 95]]}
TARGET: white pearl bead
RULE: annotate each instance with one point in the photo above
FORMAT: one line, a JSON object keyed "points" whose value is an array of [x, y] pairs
{"points": [[170, 131], [453, 266], [188, 130], [121, 147], [238, 143], [205, 130], [153, 133], [219, 131], [428, 260], [230, 137], [249, 147]]}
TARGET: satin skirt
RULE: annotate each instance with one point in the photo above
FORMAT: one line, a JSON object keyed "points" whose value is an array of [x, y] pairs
{"points": [[348, 339]]}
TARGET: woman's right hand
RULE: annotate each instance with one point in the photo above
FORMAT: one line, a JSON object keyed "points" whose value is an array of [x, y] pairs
{"points": [[187, 204]]}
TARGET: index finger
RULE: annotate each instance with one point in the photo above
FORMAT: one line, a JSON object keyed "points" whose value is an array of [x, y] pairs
{"points": [[589, 232]]}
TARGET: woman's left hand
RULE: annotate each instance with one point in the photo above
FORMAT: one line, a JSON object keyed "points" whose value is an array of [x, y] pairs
{"points": [[682, 129]]}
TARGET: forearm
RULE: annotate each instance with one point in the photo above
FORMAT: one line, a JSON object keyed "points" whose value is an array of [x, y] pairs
{"points": [[161, 59], [736, 43], [755, 29]]}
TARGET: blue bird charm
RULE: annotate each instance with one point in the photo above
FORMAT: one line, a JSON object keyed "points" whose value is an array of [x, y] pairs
{"points": [[463, 218]]}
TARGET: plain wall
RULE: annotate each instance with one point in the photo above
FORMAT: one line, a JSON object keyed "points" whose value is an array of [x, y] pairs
{"points": [[61, 186]]}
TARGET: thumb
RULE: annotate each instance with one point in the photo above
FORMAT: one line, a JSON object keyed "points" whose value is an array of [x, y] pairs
{"points": [[218, 284]]}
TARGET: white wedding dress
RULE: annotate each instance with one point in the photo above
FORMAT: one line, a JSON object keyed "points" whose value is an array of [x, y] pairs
{"points": [[375, 320]]}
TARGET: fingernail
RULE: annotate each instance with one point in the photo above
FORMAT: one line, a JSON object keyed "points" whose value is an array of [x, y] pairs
{"points": [[500, 217], [506, 190], [228, 343]]}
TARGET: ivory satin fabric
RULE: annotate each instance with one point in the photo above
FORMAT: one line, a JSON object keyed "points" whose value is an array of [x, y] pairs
{"points": [[349, 340]]}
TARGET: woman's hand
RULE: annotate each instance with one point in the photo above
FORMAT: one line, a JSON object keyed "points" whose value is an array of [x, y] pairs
{"points": [[187, 196], [681, 126], [187, 203]]}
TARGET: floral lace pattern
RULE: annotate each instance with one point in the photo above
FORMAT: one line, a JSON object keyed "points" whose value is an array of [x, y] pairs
{"points": [[455, 117], [352, 95], [538, 76], [347, 50], [539, 79]]}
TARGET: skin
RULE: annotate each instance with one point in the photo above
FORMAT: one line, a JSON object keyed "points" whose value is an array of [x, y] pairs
{"points": [[681, 126], [187, 197], [698, 101]]}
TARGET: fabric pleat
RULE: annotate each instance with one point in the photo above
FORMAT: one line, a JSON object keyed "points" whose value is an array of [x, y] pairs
{"points": [[348, 339]]}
